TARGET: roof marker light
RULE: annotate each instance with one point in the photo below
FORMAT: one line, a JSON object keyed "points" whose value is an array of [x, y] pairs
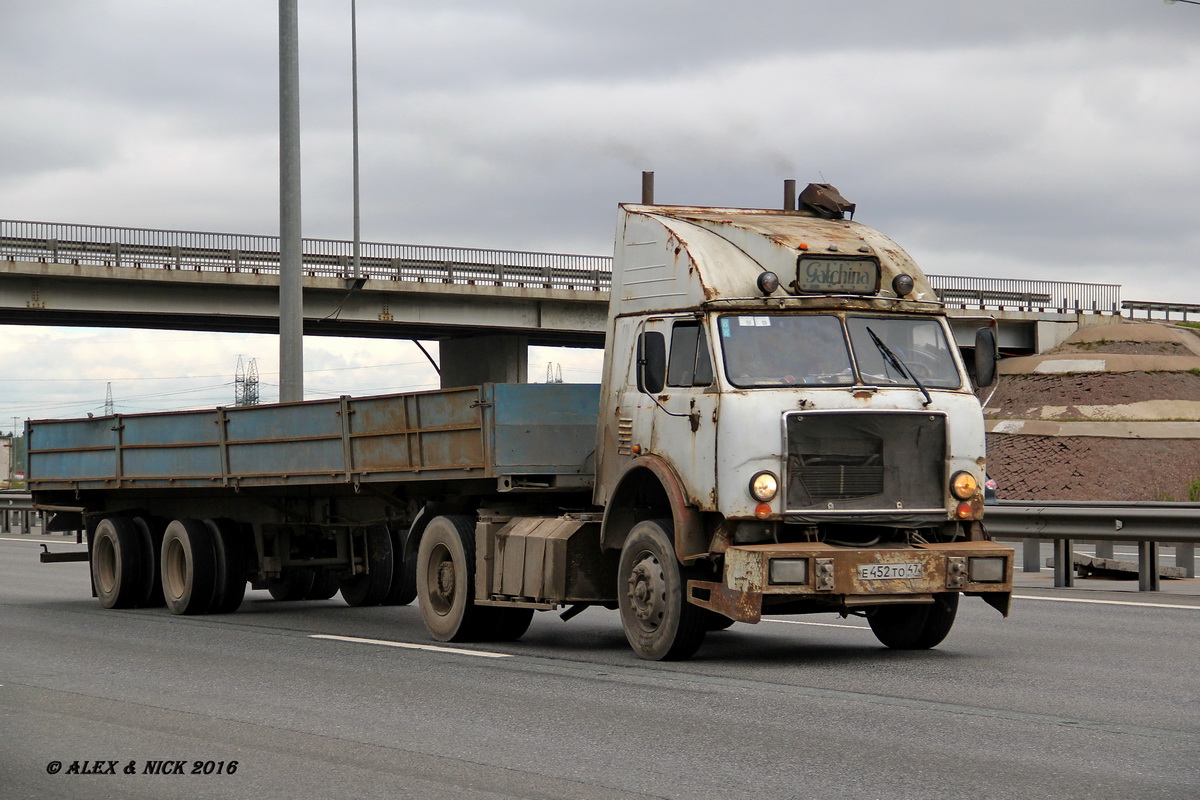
{"points": [[768, 282]]}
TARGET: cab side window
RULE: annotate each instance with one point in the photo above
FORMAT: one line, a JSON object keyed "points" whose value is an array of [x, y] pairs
{"points": [[689, 363]]}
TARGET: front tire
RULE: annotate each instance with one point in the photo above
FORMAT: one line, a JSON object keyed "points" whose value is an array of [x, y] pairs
{"points": [[915, 627], [659, 622]]}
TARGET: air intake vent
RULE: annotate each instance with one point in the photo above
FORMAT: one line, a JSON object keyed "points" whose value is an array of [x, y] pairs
{"points": [[832, 476], [865, 461]]}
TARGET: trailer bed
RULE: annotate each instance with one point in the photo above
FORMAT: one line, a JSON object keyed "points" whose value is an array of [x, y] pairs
{"points": [[522, 435]]}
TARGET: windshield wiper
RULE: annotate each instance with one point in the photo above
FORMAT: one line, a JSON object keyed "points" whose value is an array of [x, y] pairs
{"points": [[900, 365]]}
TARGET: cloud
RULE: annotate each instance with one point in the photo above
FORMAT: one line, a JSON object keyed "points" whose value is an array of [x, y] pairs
{"points": [[1029, 139]]}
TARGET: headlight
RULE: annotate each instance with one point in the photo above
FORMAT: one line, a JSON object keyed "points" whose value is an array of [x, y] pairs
{"points": [[963, 485], [764, 486], [987, 569], [789, 570]]}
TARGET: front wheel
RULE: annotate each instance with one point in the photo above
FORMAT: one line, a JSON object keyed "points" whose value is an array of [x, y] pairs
{"points": [[659, 622], [915, 627]]}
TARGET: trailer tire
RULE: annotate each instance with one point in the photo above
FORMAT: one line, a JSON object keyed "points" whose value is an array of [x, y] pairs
{"points": [[116, 562], [292, 584], [189, 567], [404, 574], [325, 585], [230, 588], [915, 627], [659, 622], [150, 530], [446, 580], [371, 588]]}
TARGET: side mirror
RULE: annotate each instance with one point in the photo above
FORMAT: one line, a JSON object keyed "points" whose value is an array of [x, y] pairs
{"points": [[985, 357], [651, 362]]}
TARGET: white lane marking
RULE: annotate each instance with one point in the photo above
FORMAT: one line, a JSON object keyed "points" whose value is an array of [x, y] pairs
{"points": [[819, 624], [410, 646], [1103, 602], [31, 539]]}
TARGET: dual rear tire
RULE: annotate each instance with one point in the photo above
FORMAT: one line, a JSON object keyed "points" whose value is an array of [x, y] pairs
{"points": [[194, 566], [203, 567]]}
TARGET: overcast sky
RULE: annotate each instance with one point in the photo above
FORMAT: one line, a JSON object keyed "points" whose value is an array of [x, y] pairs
{"points": [[1044, 139]]}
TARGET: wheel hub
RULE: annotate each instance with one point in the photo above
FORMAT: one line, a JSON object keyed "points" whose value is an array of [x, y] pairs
{"points": [[648, 591], [445, 579]]}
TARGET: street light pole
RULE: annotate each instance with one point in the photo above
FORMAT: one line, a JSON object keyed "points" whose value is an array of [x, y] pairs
{"points": [[291, 244]]}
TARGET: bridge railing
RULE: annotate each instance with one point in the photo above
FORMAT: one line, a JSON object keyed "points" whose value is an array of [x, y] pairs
{"points": [[143, 248], [1062, 297]]}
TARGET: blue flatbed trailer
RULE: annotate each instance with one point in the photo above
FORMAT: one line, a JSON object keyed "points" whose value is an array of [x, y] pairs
{"points": [[520, 435], [305, 499]]}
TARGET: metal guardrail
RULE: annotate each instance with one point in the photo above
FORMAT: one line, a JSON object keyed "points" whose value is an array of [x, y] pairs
{"points": [[1062, 297], [143, 248], [1147, 524], [16, 510], [1161, 310]]}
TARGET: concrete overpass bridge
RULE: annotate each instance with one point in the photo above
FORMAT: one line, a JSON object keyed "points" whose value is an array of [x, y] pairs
{"points": [[484, 307]]}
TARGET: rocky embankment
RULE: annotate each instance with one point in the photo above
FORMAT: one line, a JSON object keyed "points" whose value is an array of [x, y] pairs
{"points": [[1113, 413]]}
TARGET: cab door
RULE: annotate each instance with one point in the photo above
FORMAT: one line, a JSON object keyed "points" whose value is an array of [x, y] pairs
{"points": [[685, 403]]}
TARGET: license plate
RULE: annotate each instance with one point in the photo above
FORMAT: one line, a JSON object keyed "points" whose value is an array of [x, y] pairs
{"points": [[888, 572]]}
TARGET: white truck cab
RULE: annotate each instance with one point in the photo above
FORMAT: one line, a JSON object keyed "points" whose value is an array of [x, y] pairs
{"points": [[784, 403]]}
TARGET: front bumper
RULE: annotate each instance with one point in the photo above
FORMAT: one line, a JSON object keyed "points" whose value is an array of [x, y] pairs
{"points": [[839, 577]]}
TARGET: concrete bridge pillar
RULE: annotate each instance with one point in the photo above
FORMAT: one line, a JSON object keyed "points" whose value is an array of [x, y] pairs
{"points": [[470, 360]]}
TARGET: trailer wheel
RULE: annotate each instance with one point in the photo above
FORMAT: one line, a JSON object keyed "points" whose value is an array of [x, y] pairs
{"points": [[117, 563], [150, 531], [371, 588], [189, 568], [293, 584], [325, 585], [915, 627], [230, 554], [404, 574], [659, 622], [446, 579]]}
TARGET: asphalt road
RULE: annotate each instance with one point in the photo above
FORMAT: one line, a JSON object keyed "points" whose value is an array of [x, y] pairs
{"points": [[1094, 699]]}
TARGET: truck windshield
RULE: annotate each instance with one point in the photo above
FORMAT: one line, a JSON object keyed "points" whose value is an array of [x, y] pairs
{"points": [[779, 350], [919, 344], [785, 350]]}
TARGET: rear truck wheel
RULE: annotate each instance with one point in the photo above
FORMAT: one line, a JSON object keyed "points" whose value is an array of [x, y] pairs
{"points": [[915, 627], [446, 579], [371, 588], [504, 624], [404, 573], [325, 585], [189, 567], [117, 562], [150, 533], [230, 553], [292, 584], [659, 622]]}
